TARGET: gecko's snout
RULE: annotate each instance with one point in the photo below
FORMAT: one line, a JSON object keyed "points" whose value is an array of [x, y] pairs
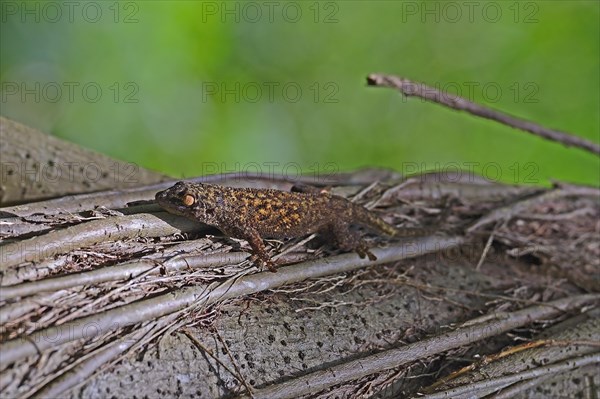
{"points": [[160, 195], [175, 189], [163, 198]]}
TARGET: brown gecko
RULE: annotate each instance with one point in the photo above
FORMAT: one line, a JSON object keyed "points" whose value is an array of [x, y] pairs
{"points": [[253, 214]]}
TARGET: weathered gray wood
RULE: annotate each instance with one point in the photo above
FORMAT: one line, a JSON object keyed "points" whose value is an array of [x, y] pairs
{"points": [[35, 166]]}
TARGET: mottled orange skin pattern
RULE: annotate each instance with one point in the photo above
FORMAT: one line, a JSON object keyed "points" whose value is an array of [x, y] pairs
{"points": [[254, 214]]}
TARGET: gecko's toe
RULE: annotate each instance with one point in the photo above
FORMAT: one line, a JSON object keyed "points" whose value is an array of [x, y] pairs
{"points": [[363, 251], [263, 263], [271, 266]]}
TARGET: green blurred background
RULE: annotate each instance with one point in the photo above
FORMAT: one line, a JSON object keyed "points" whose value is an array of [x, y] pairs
{"points": [[190, 87]]}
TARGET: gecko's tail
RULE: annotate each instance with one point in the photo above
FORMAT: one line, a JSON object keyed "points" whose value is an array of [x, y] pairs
{"points": [[369, 219]]}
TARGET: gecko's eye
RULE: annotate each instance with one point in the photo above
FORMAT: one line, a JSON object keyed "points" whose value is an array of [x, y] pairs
{"points": [[188, 200]]}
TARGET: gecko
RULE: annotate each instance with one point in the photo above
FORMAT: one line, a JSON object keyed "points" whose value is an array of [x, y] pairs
{"points": [[254, 214]]}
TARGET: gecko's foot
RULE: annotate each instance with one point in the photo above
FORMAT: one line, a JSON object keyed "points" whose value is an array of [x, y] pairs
{"points": [[363, 252], [270, 265], [371, 255]]}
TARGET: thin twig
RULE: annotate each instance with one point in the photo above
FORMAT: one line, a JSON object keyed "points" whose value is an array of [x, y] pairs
{"points": [[294, 247], [487, 247], [587, 211], [508, 212], [410, 88], [489, 385], [204, 349], [239, 375]]}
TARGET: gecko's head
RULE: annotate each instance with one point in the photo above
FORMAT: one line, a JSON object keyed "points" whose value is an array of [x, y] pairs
{"points": [[193, 200]]}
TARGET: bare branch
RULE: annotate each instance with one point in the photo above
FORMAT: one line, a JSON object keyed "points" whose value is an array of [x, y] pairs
{"points": [[410, 88]]}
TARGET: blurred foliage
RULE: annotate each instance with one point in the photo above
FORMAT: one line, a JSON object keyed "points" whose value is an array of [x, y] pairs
{"points": [[190, 88]]}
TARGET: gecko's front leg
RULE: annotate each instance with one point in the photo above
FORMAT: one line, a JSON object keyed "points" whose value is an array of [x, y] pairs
{"points": [[259, 252]]}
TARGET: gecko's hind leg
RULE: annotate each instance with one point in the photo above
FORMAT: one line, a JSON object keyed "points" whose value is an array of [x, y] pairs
{"points": [[350, 240]]}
